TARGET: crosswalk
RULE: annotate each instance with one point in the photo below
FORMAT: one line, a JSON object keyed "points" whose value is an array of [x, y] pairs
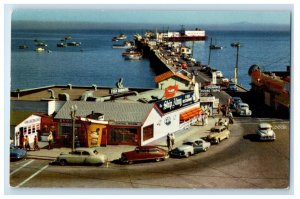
{"points": [[279, 124]]}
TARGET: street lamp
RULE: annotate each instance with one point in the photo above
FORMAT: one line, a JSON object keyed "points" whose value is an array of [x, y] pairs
{"points": [[236, 45], [73, 116]]}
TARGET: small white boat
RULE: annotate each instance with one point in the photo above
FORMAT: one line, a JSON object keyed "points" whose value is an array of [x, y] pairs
{"points": [[126, 44], [39, 49], [133, 57]]}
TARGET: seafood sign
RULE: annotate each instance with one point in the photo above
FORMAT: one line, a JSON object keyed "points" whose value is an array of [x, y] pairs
{"points": [[176, 102]]}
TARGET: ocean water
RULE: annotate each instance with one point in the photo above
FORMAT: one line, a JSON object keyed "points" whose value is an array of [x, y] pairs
{"points": [[96, 62]]}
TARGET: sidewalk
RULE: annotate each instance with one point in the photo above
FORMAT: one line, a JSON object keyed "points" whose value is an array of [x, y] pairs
{"points": [[113, 152]]}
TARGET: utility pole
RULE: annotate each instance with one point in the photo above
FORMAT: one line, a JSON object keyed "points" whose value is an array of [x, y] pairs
{"points": [[236, 45], [209, 52], [73, 116]]}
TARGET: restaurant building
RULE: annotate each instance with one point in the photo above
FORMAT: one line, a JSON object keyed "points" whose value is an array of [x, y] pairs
{"points": [[128, 123]]}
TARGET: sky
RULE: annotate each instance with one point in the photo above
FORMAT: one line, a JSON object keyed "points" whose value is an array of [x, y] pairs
{"points": [[132, 15]]}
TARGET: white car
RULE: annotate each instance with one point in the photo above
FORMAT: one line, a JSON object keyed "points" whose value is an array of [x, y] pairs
{"points": [[81, 156], [243, 109], [190, 147], [219, 74], [265, 132]]}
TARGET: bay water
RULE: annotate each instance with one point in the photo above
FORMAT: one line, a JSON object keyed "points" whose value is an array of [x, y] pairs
{"points": [[96, 62]]}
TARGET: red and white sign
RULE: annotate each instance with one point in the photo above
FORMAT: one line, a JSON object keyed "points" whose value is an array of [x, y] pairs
{"points": [[170, 91]]}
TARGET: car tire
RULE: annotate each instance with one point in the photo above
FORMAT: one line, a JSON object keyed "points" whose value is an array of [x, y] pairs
{"points": [[130, 162], [157, 159], [62, 162], [205, 149], [188, 155]]}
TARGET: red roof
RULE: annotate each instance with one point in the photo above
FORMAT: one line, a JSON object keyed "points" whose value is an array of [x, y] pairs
{"points": [[169, 74]]}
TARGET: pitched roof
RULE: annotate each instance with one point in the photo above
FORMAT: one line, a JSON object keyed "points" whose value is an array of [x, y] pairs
{"points": [[170, 74], [121, 112]]}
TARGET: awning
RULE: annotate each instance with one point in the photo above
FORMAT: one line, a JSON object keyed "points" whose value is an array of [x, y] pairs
{"points": [[190, 114]]}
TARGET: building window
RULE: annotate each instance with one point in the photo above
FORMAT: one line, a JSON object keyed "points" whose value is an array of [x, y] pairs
{"points": [[123, 136], [148, 132], [29, 129], [38, 127], [33, 129]]}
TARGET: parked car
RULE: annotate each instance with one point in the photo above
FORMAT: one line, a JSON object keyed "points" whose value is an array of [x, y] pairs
{"points": [[17, 153], [190, 147], [144, 153], [243, 109], [217, 134], [232, 87], [81, 156], [265, 132], [219, 74], [234, 101]]}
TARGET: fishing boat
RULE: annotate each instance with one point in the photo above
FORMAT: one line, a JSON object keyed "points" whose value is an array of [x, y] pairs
{"points": [[61, 45], [23, 46], [214, 46], [126, 44], [39, 49], [133, 57], [73, 43], [122, 37]]}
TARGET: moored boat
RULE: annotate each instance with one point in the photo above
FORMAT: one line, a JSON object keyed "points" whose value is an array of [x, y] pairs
{"points": [[23, 46], [39, 49], [126, 44], [133, 57]]}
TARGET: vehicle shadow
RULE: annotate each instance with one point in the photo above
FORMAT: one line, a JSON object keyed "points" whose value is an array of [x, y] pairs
{"points": [[252, 137]]}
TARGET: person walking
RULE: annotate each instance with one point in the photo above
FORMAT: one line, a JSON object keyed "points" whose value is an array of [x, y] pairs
{"points": [[36, 143], [172, 136], [26, 142], [50, 140], [230, 117], [205, 120], [169, 142]]}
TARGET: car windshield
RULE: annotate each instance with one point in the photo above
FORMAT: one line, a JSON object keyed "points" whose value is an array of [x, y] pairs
{"points": [[264, 129], [215, 130], [244, 106], [188, 143]]}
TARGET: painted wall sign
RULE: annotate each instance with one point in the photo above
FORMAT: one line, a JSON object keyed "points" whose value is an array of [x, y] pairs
{"points": [[170, 91], [174, 103]]}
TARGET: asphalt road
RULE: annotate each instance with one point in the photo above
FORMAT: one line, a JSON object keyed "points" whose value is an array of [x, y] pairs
{"points": [[238, 162]]}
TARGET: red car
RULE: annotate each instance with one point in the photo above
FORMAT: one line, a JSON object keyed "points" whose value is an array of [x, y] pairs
{"points": [[144, 153]]}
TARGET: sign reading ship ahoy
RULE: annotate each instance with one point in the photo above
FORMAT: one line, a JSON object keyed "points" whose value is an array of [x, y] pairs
{"points": [[174, 103]]}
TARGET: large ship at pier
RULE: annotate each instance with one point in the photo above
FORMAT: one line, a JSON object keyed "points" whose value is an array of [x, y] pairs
{"points": [[183, 35]]}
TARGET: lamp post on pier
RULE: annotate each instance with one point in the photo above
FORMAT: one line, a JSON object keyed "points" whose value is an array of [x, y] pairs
{"points": [[73, 116], [236, 45]]}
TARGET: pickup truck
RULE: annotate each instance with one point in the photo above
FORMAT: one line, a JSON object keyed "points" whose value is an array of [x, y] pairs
{"points": [[217, 134]]}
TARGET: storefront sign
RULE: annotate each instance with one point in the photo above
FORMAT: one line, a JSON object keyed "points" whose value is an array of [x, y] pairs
{"points": [[174, 103], [118, 90], [207, 99], [211, 88], [31, 121]]}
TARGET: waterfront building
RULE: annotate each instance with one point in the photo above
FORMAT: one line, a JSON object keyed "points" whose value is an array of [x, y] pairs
{"points": [[121, 116], [173, 78]]}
